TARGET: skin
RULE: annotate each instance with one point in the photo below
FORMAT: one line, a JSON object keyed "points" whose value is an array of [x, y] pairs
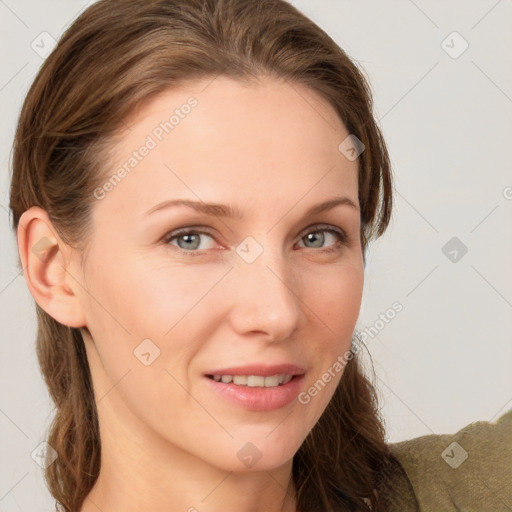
{"points": [[169, 443]]}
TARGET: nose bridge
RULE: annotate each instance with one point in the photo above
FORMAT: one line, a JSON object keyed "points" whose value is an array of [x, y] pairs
{"points": [[267, 298]]}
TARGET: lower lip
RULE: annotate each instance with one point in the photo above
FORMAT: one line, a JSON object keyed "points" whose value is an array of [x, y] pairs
{"points": [[259, 398]]}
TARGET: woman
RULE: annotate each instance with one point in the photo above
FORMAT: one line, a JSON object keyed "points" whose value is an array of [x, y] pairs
{"points": [[195, 184]]}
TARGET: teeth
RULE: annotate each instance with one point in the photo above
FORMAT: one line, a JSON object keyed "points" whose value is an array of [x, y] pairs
{"points": [[270, 382], [240, 380], [253, 381], [287, 378]]}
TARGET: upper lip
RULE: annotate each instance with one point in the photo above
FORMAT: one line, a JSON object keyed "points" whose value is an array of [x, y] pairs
{"points": [[259, 369]]}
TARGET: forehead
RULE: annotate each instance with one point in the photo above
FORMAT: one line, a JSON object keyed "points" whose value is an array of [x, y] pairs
{"points": [[225, 140]]}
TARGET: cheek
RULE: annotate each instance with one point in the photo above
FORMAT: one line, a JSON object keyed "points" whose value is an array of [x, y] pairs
{"points": [[137, 367], [136, 308], [171, 296], [336, 302], [335, 297]]}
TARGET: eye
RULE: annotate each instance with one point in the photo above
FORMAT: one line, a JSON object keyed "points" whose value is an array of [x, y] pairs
{"points": [[195, 241], [321, 234], [189, 241]]}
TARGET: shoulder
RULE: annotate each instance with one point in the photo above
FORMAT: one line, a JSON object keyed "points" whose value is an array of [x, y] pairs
{"points": [[468, 470]]}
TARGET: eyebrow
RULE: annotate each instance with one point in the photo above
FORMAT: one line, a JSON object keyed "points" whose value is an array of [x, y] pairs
{"points": [[223, 210]]}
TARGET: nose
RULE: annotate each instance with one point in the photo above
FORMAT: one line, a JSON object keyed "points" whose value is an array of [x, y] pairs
{"points": [[265, 298]]}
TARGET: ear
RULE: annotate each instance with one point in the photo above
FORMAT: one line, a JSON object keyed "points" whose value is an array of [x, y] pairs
{"points": [[46, 262]]}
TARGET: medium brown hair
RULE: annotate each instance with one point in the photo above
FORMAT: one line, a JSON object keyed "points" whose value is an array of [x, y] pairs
{"points": [[115, 56]]}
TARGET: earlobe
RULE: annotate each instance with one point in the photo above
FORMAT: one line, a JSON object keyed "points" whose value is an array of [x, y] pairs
{"points": [[45, 261]]}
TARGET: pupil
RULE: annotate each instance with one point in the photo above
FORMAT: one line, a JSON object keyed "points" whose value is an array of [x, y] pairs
{"points": [[319, 239], [188, 239]]}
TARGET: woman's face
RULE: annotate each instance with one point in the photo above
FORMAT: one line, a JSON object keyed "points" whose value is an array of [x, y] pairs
{"points": [[176, 296]]}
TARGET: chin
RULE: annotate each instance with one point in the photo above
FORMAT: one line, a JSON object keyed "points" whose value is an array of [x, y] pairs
{"points": [[262, 452]]}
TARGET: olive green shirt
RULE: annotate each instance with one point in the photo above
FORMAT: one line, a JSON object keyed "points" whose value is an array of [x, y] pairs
{"points": [[469, 471]]}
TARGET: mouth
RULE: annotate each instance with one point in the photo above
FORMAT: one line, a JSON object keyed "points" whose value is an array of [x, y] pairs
{"points": [[257, 387]]}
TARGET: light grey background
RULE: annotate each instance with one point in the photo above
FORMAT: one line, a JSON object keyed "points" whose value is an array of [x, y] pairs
{"points": [[444, 360]]}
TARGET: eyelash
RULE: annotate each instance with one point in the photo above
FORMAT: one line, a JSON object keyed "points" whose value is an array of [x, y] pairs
{"points": [[342, 238]]}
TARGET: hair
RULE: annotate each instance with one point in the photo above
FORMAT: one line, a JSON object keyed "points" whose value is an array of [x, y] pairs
{"points": [[114, 57]]}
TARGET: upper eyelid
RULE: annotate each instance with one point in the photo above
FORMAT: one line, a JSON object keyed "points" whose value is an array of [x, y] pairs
{"points": [[206, 230]]}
